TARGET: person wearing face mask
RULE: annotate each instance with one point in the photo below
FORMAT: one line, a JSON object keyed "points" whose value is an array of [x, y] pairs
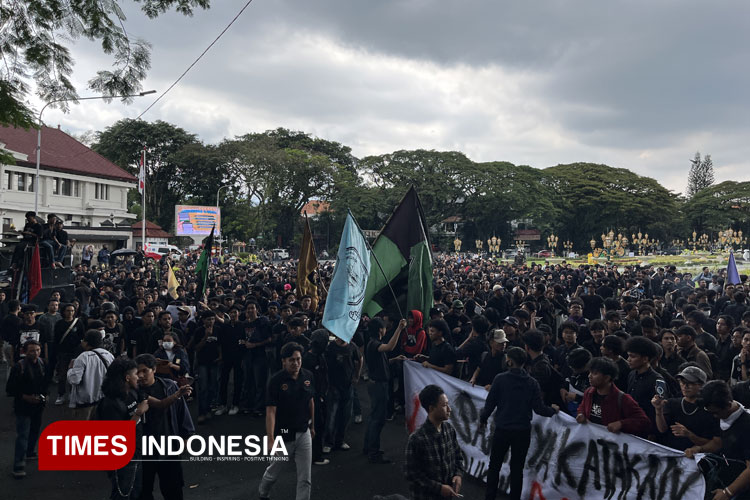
{"points": [[86, 374], [172, 359]]}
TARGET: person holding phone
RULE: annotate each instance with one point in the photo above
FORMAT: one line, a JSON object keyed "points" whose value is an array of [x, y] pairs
{"points": [[683, 423]]}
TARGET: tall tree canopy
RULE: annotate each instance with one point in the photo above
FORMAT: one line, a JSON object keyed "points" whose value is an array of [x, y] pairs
{"points": [[701, 174], [33, 46], [166, 181]]}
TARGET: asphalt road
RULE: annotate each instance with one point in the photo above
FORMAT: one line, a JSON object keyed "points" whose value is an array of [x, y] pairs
{"points": [[348, 476]]}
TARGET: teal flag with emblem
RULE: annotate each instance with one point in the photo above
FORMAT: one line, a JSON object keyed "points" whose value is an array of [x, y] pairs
{"points": [[346, 295]]}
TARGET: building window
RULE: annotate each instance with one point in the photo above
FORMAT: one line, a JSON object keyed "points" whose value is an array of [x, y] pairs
{"points": [[20, 182], [30, 183], [8, 180], [66, 187], [7, 221], [101, 191]]}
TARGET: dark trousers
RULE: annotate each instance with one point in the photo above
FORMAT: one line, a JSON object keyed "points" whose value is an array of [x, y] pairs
{"points": [[27, 434], [233, 365], [518, 442], [126, 482], [255, 367], [320, 428], [378, 404], [339, 403], [170, 480]]}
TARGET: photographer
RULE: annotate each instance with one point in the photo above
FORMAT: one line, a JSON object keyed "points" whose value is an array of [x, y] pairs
{"points": [[26, 384]]}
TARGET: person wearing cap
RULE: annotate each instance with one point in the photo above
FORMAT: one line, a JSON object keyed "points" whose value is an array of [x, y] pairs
{"points": [[499, 301], [459, 323], [492, 362], [682, 422], [690, 351], [643, 379], [30, 330], [510, 327]]}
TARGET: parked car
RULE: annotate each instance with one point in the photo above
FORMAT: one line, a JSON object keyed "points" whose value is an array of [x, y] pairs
{"points": [[280, 254], [544, 253]]}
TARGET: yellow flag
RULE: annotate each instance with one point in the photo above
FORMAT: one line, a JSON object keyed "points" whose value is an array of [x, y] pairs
{"points": [[307, 268], [172, 283]]}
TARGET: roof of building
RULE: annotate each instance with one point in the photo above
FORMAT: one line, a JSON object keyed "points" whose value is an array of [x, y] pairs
{"points": [[61, 152], [152, 230], [315, 207]]}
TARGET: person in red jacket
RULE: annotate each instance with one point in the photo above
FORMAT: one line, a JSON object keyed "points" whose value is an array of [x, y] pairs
{"points": [[603, 403], [415, 340]]}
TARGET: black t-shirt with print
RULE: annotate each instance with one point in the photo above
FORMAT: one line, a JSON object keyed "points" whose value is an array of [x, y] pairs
{"points": [[596, 408]]}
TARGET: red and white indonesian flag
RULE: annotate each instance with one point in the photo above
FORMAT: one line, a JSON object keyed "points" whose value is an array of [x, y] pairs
{"points": [[142, 173]]}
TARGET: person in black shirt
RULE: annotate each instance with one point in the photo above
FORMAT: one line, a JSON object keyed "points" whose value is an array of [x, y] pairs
{"points": [[344, 367], [492, 362], [441, 357], [231, 337], [121, 401], [642, 378], [61, 240], [255, 365], [670, 360], [168, 415], [26, 383], [207, 359], [612, 349], [290, 413], [734, 444], [683, 422], [32, 233], [315, 361], [474, 346], [379, 372]]}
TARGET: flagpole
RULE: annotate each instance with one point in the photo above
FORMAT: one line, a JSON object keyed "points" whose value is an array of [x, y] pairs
{"points": [[372, 253], [143, 205]]}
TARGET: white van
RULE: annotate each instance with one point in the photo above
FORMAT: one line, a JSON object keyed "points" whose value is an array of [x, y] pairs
{"points": [[157, 251]]}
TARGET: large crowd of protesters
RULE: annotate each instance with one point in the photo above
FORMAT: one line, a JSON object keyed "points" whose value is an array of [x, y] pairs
{"points": [[650, 351]]}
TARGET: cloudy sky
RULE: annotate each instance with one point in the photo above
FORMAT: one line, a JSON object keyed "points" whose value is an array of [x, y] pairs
{"points": [[637, 84]]}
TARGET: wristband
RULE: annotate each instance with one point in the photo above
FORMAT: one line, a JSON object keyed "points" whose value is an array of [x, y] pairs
{"points": [[728, 492]]}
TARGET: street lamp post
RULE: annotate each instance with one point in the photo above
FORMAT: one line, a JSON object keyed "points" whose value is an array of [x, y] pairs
{"points": [[39, 133], [217, 211]]}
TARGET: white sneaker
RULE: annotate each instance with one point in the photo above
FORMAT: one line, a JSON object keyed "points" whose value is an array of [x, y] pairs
{"points": [[233, 411], [326, 449], [345, 446], [60, 400], [221, 410], [323, 461], [357, 419]]}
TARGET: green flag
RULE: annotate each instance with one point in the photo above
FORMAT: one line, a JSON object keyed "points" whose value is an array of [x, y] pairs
{"points": [[402, 250], [201, 268]]}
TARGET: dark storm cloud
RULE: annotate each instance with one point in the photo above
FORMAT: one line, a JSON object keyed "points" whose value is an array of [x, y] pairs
{"points": [[640, 85]]}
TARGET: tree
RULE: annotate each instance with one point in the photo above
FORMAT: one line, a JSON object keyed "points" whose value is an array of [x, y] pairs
{"points": [[718, 207], [592, 198], [123, 142], [701, 174], [279, 171], [34, 33]]}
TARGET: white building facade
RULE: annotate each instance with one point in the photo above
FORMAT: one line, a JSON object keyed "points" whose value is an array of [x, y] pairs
{"points": [[88, 192]]}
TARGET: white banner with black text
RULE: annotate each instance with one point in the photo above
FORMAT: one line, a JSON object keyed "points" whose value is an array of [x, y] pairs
{"points": [[566, 460]]}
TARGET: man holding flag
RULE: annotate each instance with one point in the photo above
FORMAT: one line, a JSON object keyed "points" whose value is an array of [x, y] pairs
{"points": [[201, 268]]}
